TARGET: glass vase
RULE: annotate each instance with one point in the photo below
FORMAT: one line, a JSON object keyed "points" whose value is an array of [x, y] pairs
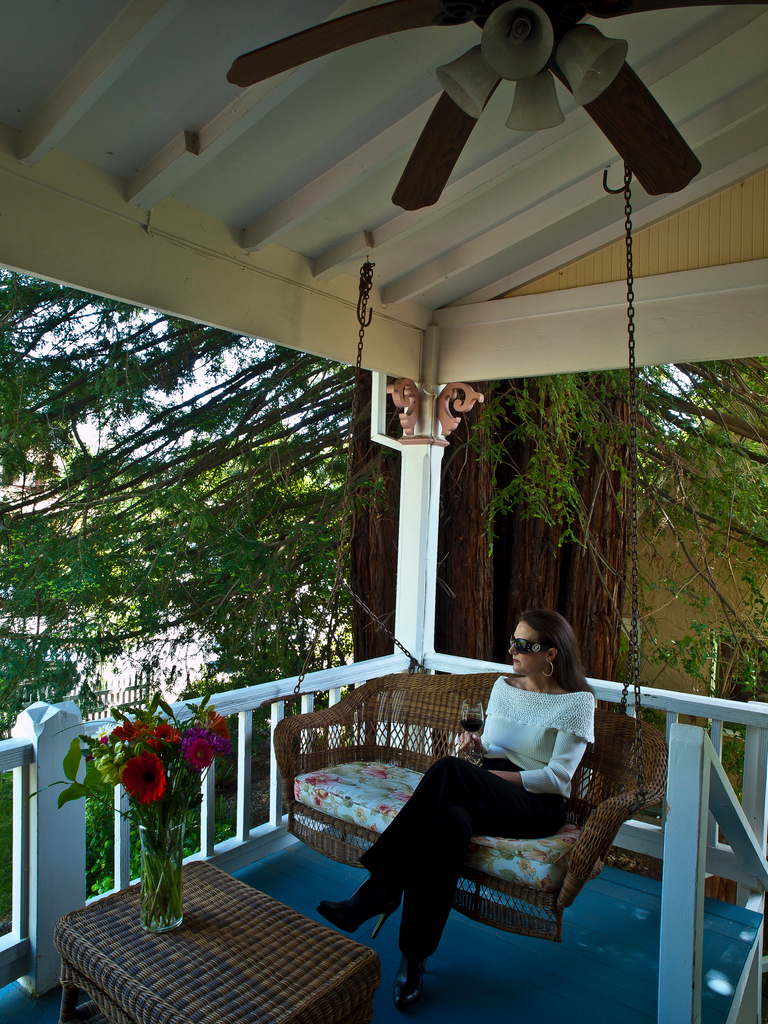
{"points": [[162, 859]]}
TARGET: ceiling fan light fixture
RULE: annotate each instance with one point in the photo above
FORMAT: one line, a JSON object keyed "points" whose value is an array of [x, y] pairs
{"points": [[468, 81], [535, 104], [517, 40], [590, 61]]}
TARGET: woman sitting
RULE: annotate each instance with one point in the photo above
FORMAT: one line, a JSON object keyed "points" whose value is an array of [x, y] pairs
{"points": [[538, 724]]}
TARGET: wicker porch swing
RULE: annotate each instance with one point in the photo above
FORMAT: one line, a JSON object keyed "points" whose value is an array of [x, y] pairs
{"points": [[398, 725]]}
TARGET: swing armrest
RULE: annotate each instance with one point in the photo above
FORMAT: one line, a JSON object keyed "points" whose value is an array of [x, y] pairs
{"points": [[604, 821], [591, 848], [314, 739]]}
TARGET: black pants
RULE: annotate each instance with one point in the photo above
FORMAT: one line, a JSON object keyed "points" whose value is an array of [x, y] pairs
{"points": [[422, 851]]}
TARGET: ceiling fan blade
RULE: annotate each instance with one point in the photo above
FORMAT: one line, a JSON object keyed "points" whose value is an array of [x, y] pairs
{"points": [[634, 123], [330, 36], [438, 148], [613, 9]]}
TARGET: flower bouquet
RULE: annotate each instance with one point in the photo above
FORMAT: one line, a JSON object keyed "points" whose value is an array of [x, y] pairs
{"points": [[160, 761]]}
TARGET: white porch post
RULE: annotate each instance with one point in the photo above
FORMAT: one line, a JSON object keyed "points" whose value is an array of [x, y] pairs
{"points": [[682, 888], [56, 837], [426, 418], [417, 543]]}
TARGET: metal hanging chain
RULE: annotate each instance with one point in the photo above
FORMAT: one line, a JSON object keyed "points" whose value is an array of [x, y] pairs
{"points": [[414, 662], [633, 656], [364, 317]]}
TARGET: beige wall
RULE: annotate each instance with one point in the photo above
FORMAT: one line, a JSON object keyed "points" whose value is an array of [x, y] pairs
{"points": [[729, 227], [671, 611]]}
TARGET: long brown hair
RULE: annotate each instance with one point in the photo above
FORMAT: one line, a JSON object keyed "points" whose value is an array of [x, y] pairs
{"points": [[555, 631]]}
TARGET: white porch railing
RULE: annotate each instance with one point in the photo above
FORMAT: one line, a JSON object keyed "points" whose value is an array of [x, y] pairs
{"points": [[49, 862]]}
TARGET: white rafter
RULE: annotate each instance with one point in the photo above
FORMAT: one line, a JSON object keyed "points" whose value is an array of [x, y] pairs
{"points": [[666, 206], [175, 163], [137, 25], [331, 264], [354, 168], [564, 201]]}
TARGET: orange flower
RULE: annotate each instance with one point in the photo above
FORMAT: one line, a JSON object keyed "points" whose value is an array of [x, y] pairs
{"points": [[144, 777], [217, 724]]}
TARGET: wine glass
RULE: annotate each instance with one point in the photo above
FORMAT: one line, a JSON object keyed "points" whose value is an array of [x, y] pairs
{"points": [[472, 718]]}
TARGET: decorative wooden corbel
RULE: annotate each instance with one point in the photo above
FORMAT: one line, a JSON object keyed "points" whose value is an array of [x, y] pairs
{"points": [[405, 395], [448, 420]]}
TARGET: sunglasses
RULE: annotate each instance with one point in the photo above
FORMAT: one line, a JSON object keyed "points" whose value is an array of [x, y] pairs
{"points": [[523, 646]]}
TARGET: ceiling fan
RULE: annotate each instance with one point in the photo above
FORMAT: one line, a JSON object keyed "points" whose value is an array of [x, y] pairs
{"points": [[529, 43]]}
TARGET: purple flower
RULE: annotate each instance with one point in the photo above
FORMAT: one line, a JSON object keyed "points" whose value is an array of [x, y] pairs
{"points": [[219, 744], [198, 751]]}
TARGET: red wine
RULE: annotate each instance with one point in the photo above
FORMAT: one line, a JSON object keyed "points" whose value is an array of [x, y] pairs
{"points": [[472, 724]]}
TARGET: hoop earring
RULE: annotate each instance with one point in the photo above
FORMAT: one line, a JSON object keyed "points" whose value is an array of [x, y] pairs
{"points": [[551, 670]]}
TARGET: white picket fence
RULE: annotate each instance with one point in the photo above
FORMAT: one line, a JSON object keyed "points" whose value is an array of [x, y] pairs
{"points": [[48, 845]]}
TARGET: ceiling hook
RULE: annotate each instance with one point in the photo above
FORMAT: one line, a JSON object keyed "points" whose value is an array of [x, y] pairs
{"points": [[610, 191]]}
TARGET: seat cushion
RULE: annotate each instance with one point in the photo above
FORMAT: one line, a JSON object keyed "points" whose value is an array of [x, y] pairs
{"points": [[369, 793], [365, 793]]}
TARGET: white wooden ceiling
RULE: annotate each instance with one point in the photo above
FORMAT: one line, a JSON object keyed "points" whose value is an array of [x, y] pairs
{"points": [[130, 166]]}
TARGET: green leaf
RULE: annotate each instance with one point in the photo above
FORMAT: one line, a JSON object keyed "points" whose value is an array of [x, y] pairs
{"points": [[93, 778], [74, 792], [72, 759]]}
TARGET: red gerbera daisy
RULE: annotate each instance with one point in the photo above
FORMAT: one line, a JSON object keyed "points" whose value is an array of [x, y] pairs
{"points": [[144, 777], [126, 731], [162, 732]]}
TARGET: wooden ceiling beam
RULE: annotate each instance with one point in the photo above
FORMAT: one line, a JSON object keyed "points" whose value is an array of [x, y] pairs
{"points": [[171, 166], [345, 174], [708, 130], [128, 36], [651, 212]]}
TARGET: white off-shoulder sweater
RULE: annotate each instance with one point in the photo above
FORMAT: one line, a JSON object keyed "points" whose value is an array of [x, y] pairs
{"points": [[544, 734]]}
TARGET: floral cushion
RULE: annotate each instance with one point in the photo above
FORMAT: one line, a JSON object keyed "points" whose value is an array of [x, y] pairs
{"points": [[370, 794], [541, 863], [363, 793]]}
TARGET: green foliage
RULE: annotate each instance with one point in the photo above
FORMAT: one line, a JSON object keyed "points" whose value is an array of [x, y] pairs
{"points": [[705, 511], [163, 484], [100, 842], [554, 422], [703, 497], [6, 847]]}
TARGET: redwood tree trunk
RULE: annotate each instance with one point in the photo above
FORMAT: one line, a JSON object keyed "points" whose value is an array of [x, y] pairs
{"points": [[373, 556], [593, 575], [482, 589], [464, 606]]}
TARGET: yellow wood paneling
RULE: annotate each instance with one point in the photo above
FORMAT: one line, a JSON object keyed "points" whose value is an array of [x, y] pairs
{"points": [[730, 227]]}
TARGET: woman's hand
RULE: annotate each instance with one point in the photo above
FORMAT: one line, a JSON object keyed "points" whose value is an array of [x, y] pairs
{"points": [[470, 743], [513, 777]]}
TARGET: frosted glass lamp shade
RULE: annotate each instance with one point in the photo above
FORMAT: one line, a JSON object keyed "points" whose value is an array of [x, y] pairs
{"points": [[589, 61], [517, 40], [468, 81], [535, 104]]}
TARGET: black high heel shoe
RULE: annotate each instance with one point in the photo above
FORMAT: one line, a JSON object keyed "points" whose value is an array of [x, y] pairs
{"points": [[407, 987], [366, 902]]}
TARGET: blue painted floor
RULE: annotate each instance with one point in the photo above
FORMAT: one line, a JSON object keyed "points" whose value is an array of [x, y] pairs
{"points": [[604, 972]]}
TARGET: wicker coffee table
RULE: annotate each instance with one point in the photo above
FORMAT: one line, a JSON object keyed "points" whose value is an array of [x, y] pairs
{"points": [[238, 957]]}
